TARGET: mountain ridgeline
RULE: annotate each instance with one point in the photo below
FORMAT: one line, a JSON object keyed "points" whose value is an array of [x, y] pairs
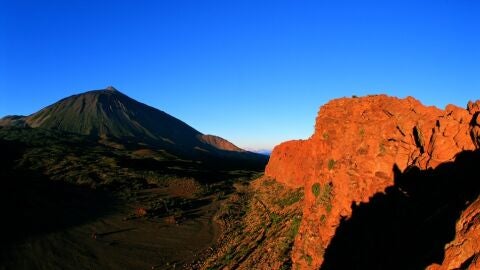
{"points": [[108, 113]]}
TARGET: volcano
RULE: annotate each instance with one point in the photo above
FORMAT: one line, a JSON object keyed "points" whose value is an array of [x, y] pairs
{"points": [[108, 113]]}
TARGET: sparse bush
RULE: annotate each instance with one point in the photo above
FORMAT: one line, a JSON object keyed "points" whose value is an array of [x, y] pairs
{"points": [[268, 182], [316, 188], [275, 218], [326, 196], [295, 227], [290, 198], [331, 164], [325, 135], [228, 257], [308, 259], [323, 219]]}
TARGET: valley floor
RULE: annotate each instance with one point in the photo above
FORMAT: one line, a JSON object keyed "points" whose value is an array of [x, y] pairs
{"points": [[118, 241], [253, 225]]}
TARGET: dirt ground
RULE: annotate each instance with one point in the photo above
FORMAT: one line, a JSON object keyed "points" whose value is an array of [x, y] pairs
{"points": [[118, 241]]}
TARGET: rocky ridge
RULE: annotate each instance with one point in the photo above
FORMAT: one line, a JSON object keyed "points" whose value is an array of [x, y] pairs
{"points": [[358, 145]]}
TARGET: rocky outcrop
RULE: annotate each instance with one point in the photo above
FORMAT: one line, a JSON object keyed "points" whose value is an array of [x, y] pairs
{"points": [[352, 155]]}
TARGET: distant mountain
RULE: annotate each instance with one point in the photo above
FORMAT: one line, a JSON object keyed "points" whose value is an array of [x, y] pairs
{"points": [[260, 151], [220, 143], [108, 113], [263, 152]]}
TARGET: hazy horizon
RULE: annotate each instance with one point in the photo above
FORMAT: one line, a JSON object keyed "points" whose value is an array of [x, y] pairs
{"points": [[252, 72]]}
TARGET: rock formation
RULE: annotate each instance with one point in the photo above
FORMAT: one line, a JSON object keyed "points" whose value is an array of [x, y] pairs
{"points": [[358, 148]]}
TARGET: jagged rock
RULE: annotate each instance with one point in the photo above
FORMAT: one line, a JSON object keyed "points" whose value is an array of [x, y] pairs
{"points": [[356, 144]]}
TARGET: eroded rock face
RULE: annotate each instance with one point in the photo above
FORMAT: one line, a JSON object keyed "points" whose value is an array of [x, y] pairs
{"points": [[352, 155]]}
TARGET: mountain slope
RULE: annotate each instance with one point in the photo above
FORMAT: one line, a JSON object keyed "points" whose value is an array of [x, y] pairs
{"points": [[109, 113]]}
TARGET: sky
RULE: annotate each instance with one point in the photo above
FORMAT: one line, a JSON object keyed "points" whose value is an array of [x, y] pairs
{"points": [[254, 72]]}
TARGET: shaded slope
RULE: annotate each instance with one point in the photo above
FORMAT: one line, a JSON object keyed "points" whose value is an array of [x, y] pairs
{"points": [[408, 226], [33, 204], [58, 189]]}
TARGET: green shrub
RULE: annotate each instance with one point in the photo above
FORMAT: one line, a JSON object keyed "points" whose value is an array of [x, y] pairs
{"points": [[316, 188], [228, 257], [326, 196], [275, 218], [323, 219], [268, 182], [291, 198], [295, 227], [331, 164], [308, 259]]}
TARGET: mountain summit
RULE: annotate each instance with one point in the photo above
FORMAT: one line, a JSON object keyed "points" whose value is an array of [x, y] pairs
{"points": [[108, 113]]}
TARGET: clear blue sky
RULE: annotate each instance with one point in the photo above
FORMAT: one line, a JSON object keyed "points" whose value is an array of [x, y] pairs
{"points": [[254, 72]]}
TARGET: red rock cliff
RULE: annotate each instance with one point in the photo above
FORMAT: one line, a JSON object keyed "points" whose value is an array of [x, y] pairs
{"points": [[351, 155]]}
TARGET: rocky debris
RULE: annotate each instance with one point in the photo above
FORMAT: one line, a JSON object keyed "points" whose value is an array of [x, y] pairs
{"points": [[351, 156], [259, 223]]}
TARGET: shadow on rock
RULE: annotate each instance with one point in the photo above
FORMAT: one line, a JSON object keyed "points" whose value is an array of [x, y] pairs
{"points": [[409, 225]]}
